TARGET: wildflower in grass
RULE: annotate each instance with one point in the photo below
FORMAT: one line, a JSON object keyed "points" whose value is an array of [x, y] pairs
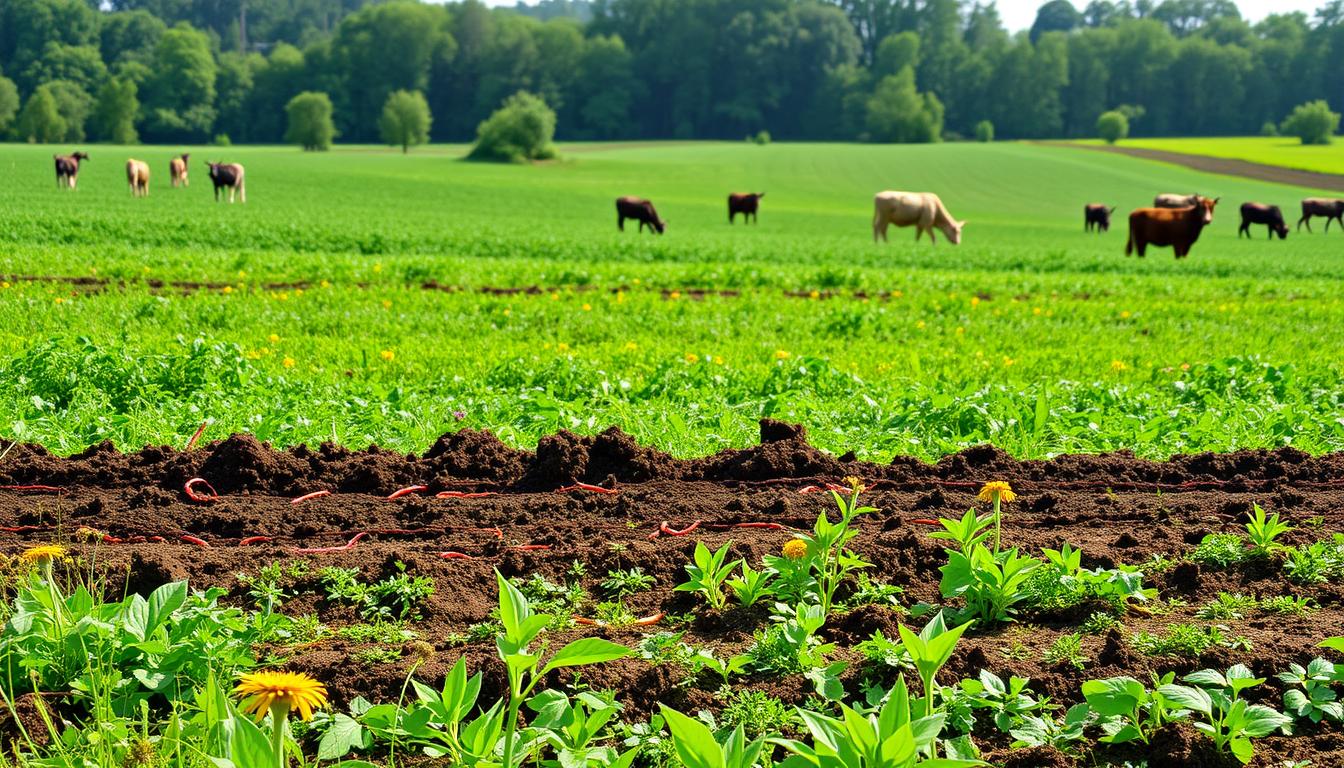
{"points": [[226, 290], [855, 484], [718, 360], [288, 362], [421, 651], [587, 307], [1124, 315], [998, 492], [378, 267], [562, 347], [1007, 361], [781, 354], [674, 295], [387, 303], [691, 357], [795, 549], [4, 283], [273, 338], [387, 354], [1185, 366], [279, 693], [88, 534], [620, 297], [1036, 311], [961, 331], [459, 415], [284, 296], [60, 300], [43, 555], [1118, 365], [921, 325], [814, 295], [975, 302], [631, 346], [325, 283]]}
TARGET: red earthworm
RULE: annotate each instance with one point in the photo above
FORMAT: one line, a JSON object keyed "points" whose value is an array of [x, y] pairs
{"points": [[196, 541], [407, 491], [838, 488], [766, 526], [254, 540], [157, 539], [530, 547], [22, 528], [110, 539], [664, 528], [463, 495], [586, 487], [499, 534], [43, 488], [194, 496], [344, 547], [197, 436], [455, 556], [810, 489], [925, 521], [590, 622], [309, 496], [647, 620]]}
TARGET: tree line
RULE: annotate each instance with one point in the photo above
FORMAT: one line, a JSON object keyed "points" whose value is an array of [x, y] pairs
{"points": [[876, 70]]}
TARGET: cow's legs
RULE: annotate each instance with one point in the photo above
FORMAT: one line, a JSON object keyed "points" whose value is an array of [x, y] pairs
{"points": [[1306, 219], [620, 222]]}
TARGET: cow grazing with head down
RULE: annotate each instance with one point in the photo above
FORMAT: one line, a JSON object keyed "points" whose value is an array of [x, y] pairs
{"points": [[67, 169], [640, 210], [177, 170], [1097, 216], [228, 176], [923, 210], [745, 203], [1176, 227], [1258, 213], [137, 176], [1321, 206]]}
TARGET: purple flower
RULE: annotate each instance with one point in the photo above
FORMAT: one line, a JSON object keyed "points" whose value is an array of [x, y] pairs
{"points": [[459, 415]]}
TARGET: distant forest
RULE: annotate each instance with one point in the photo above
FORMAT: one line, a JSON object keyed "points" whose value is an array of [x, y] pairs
{"points": [[874, 70]]}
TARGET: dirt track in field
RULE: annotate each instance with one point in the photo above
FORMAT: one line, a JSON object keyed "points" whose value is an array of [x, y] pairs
{"points": [[1114, 507], [1222, 165]]}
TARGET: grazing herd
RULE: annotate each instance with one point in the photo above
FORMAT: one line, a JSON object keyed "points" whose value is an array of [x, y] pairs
{"points": [[225, 176], [1176, 220]]}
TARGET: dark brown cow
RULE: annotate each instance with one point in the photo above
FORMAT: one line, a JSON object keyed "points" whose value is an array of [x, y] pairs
{"points": [[745, 203], [1177, 227], [1259, 213], [177, 170], [1096, 215], [228, 176], [1321, 206], [640, 210], [67, 169]]}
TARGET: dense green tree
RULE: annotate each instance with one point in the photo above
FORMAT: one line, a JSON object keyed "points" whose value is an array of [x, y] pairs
{"points": [[1055, 16], [519, 131], [9, 103], [984, 131], [28, 27], [310, 124], [40, 120], [1112, 126], [115, 112], [129, 36], [75, 105], [899, 113], [180, 91], [275, 80], [1313, 123], [405, 120]]}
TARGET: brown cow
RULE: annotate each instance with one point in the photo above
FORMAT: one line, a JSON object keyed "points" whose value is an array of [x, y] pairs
{"points": [[177, 170], [67, 169], [1177, 227], [137, 175], [640, 210], [745, 203], [1098, 216], [1259, 213], [924, 210], [1321, 206], [230, 176]]}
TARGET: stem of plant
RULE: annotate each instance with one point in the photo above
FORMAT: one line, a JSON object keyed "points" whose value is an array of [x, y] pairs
{"points": [[279, 715], [392, 748], [997, 522]]}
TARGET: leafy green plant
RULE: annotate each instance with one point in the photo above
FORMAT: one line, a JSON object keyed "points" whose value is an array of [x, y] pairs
{"points": [[929, 651], [1046, 730], [1187, 640], [870, 591], [1317, 563], [1221, 550], [1314, 698], [620, 583], [759, 713], [1009, 702], [572, 729], [1263, 530], [967, 531], [697, 748], [1287, 604], [709, 572], [990, 586], [1228, 607], [790, 644], [751, 585], [1129, 710], [1067, 649], [1100, 623], [1227, 718], [817, 574]]}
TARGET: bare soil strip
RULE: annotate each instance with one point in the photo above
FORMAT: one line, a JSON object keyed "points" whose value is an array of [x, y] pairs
{"points": [[129, 514], [1222, 166]]}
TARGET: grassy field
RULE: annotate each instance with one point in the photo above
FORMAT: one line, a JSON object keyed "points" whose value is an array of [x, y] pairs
{"points": [[1032, 334], [1283, 151]]}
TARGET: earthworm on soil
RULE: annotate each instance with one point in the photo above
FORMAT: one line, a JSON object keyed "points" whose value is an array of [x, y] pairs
{"points": [[254, 540], [194, 496], [22, 528], [590, 622], [110, 539], [407, 491], [321, 550], [530, 547], [455, 556], [587, 487], [156, 539], [647, 620], [765, 526], [462, 495], [196, 541], [309, 496], [664, 528], [197, 436], [42, 488], [924, 521]]}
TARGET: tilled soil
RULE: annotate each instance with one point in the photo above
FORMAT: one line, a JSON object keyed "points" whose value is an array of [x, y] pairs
{"points": [[524, 515]]}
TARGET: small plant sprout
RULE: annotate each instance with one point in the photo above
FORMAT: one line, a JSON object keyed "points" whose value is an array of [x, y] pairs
{"points": [[998, 492], [826, 553], [1264, 530], [708, 573], [279, 693]]}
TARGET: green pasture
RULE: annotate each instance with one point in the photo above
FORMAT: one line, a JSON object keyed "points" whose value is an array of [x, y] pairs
{"points": [[1031, 334], [1283, 151]]}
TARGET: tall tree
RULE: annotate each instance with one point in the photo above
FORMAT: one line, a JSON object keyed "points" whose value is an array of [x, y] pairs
{"points": [[180, 92], [115, 111]]}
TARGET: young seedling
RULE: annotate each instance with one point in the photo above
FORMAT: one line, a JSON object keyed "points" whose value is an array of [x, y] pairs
{"points": [[1262, 532], [708, 573]]}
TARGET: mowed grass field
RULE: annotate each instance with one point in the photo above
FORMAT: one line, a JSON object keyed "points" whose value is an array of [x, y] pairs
{"points": [[1283, 151], [312, 322]]}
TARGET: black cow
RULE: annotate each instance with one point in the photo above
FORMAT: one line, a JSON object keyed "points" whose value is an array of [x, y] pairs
{"points": [[67, 169], [640, 210], [1321, 206], [745, 203], [1259, 213], [228, 176], [1098, 216]]}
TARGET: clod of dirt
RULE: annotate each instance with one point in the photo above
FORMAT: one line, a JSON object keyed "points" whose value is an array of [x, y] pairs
{"points": [[243, 464], [1179, 745], [1038, 757], [773, 431]]}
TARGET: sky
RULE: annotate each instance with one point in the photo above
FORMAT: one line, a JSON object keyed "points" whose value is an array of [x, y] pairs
{"points": [[1019, 14]]}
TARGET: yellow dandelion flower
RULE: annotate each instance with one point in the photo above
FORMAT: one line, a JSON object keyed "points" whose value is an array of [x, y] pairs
{"points": [[378, 267], [620, 297], [1007, 361], [43, 554], [1118, 365], [674, 295], [555, 296], [325, 283], [1185, 366], [897, 294], [854, 483], [289, 362], [975, 302], [795, 549], [4, 283], [507, 311], [636, 281], [1124, 315], [60, 300], [1036, 311], [88, 534], [562, 347], [921, 325], [387, 303], [226, 290], [996, 488], [781, 354], [718, 360], [242, 273], [279, 693], [631, 346], [961, 331], [587, 307], [387, 354], [814, 295], [691, 357], [273, 338]]}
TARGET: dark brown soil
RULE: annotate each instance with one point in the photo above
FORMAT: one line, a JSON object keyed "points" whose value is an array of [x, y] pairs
{"points": [[1116, 508], [1225, 166]]}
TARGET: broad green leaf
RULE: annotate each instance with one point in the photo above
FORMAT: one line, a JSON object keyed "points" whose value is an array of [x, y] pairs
{"points": [[343, 735], [162, 602], [589, 650], [694, 742], [1188, 697]]}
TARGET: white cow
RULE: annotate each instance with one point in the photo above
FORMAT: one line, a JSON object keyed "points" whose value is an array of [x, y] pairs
{"points": [[924, 210]]}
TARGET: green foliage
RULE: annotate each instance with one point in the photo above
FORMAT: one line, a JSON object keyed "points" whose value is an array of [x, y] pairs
{"points": [[1112, 126], [991, 587], [761, 138], [984, 131], [1317, 563], [1187, 640], [394, 597], [1228, 607], [9, 102], [898, 113], [697, 748], [1128, 710], [1218, 711], [751, 585], [1010, 703], [519, 131], [1221, 550], [310, 124], [621, 583], [405, 120], [709, 572], [179, 94], [759, 714], [1067, 649], [1262, 531], [929, 651], [116, 110], [1314, 698], [1312, 122], [40, 120]]}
